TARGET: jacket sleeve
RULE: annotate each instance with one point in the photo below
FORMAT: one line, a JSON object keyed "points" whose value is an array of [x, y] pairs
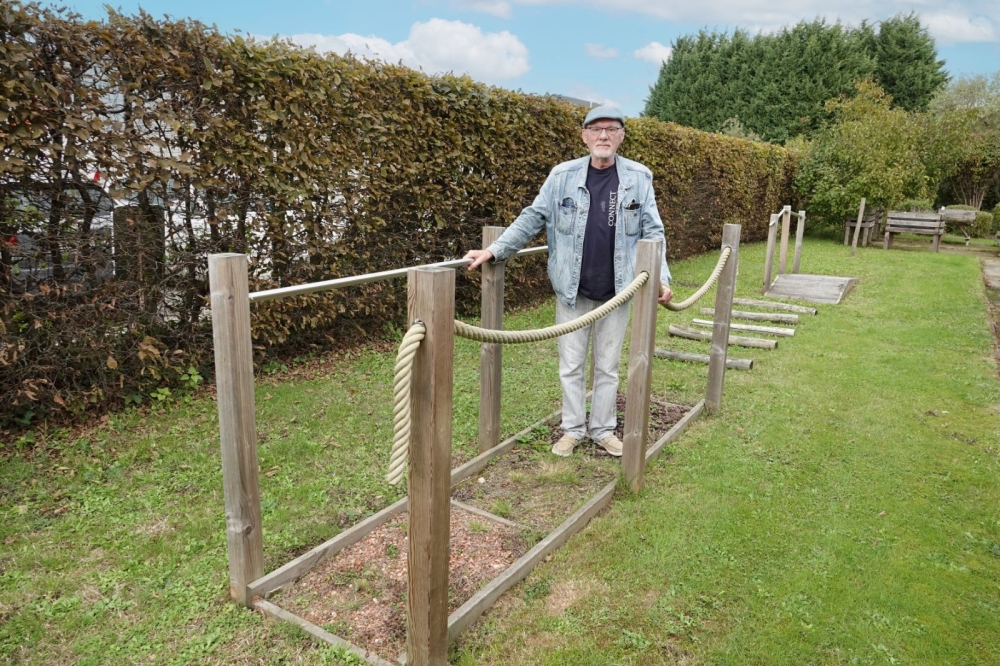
{"points": [[652, 227], [527, 225]]}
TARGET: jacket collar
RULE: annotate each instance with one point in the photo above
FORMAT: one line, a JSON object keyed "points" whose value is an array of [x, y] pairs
{"points": [[625, 179]]}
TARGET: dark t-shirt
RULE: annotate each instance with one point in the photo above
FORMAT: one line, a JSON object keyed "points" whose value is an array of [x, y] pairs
{"points": [[597, 272]]}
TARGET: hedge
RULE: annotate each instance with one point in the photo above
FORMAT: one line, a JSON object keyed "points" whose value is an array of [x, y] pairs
{"points": [[315, 166]]}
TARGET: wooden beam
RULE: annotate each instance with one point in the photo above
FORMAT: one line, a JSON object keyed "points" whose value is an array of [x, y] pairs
{"points": [[740, 341], [774, 305], [786, 223], [772, 234], [724, 310], [482, 513], [758, 316], [234, 380], [748, 328], [307, 561], [472, 609], [857, 226], [648, 257], [467, 469], [432, 301], [319, 633], [800, 228], [491, 354], [731, 363], [656, 449]]}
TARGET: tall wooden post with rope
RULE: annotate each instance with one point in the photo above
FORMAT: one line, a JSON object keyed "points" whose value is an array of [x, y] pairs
{"points": [[491, 354], [723, 313], [431, 300], [640, 363]]}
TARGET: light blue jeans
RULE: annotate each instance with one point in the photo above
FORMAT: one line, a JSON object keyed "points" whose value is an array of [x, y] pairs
{"points": [[609, 335]]}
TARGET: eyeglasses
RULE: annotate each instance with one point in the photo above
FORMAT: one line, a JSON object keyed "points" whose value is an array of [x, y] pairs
{"points": [[596, 131]]}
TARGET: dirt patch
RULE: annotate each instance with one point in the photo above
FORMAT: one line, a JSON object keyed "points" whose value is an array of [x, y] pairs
{"points": [[564, 594], [534, 488], [360, 593]]}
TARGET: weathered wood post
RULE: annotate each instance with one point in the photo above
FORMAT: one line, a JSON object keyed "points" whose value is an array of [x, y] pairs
{"points": [[786, 225], [649, 255], [800, 229], [230, 294], [723, 312], [772, 233], [431, 300], [857, 227], [491, 354]]}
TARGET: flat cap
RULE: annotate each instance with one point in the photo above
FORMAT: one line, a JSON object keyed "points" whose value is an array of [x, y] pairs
{"points": [[604, 111]]}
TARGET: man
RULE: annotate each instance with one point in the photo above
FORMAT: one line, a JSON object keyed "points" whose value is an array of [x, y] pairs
{"points": [[594, 211]]}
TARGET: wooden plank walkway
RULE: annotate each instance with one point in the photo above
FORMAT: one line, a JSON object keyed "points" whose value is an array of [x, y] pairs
{"points": [[813, 288]]}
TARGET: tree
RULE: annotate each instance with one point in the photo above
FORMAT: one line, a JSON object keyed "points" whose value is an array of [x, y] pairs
{"points": [[906, 64], [869, 150], [970, 109], [776, 85]]}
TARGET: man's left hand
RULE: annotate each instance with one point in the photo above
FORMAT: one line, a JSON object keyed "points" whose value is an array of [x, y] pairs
{"points": [[665, 295]]}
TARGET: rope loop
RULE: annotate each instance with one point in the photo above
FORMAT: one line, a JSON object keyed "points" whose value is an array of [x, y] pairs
{"points": [[712, 279], [400, 456], [537, 335]]}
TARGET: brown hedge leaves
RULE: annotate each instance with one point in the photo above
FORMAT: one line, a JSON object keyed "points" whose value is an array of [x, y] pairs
{"points": [[134, 147]]}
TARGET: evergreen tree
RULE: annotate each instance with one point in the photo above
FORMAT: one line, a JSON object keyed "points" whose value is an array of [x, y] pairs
{"points": [[906, 67], [776, 85]]}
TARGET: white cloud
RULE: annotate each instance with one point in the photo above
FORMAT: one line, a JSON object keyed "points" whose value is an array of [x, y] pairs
{"points": [[949, 21], [654, 52], [499, 8], [601, 51], [952, 29], [437, 46]]}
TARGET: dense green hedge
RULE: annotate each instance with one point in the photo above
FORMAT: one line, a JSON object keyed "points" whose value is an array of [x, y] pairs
{"points": [[316, 166]]}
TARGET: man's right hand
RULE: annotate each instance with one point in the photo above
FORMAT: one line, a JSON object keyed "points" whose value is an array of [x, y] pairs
{"points": [[479, 257]]}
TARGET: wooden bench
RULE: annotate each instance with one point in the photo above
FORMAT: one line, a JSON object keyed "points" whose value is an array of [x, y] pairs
{"points": [[870, 226], [902, 222], [961, 219]]}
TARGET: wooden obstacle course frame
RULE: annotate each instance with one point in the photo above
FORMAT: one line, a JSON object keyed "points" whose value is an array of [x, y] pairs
{"points": [[784, 216], [250, 586]]}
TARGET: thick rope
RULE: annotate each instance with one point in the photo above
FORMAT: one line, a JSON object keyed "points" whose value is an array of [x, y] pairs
{"points": [[400, 456], [712, 279], [537, 335]]}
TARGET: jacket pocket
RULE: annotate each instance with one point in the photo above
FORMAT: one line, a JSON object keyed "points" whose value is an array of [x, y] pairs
{"points": [[566, 216], [632, 217]]}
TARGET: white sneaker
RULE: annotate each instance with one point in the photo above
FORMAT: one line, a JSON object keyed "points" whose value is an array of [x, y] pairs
{"points": [[564, 447], [611, 444]]}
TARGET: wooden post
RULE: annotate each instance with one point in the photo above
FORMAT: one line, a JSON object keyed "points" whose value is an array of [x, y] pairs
{"points": [[432, 301], [723, 311], [230, 294], [857, 227], [490, 354], [772, 233], [786, 225], [800, 229], [649, 256]]}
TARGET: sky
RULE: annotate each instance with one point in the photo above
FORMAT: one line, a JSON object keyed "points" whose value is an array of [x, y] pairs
{"points": [[607, 51]]}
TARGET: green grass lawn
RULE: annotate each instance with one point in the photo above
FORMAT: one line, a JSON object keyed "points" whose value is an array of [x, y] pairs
{"points": [[841, 509]]}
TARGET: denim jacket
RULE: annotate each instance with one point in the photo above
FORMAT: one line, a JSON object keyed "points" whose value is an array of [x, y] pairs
{"points": [[561, 207]]}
